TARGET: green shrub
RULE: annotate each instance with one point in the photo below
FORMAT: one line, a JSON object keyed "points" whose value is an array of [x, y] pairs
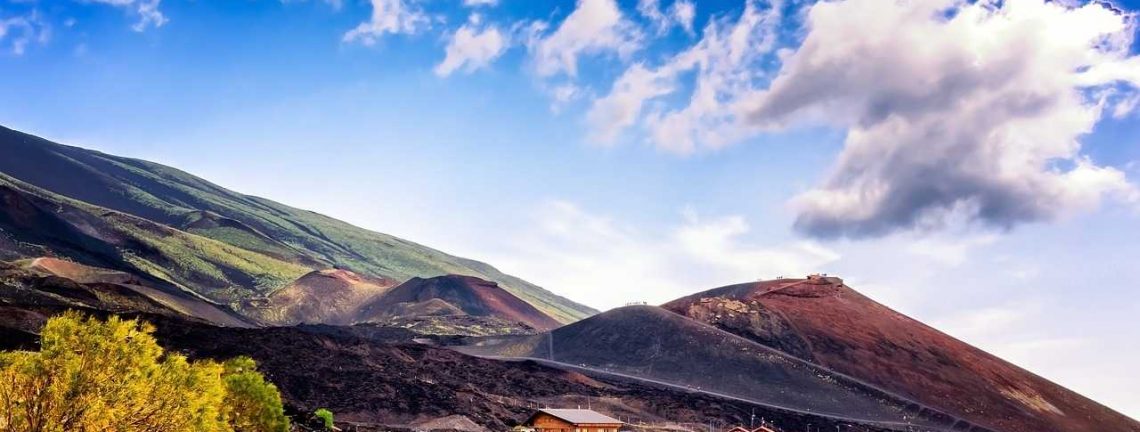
{"points": [[253, 404], [326, 416], [93, 375]]}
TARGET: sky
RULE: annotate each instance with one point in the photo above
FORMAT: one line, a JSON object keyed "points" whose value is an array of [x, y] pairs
{"points": [[971, 164]]}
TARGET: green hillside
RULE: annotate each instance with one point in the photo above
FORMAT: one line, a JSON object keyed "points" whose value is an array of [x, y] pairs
{"points": [[250, 234]]}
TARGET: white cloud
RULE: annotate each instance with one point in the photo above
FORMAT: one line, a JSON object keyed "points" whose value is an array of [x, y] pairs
{"points": [[955, 112], [681, 14], [948, 250], [725, 65], [388, 17], [17, 32], [335, 4], [573, 251], [980, 325], [147, 10], [1125, 106], [471, 48], [977, 116], [477, 3], [562, 94], [594, 27], [610, 115]]}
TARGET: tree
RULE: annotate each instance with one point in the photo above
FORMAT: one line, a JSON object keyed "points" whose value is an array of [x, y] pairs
{"points": [[254, 404], [93, 375], [326, 416]]}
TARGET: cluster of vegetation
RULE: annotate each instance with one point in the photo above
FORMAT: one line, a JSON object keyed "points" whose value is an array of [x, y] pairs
{"points": [[93, 375], [195, 258], [325, 416]]}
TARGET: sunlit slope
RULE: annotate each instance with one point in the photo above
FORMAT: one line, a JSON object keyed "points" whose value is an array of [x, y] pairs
{"points": [[180, 200], [35, 223]]}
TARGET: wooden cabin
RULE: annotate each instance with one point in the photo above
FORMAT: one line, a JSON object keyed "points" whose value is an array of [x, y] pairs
{"points": [[572, 420]]}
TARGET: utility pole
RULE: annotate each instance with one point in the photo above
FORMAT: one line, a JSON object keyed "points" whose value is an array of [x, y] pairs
{"points": [[752, 421]]}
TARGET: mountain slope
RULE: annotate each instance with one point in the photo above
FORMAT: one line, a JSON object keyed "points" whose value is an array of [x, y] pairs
{"points": [[48, 282], [653, 343], [379, 379], [35, 223], [179, 200], [467, 295], [332, 296], [824, 321]]}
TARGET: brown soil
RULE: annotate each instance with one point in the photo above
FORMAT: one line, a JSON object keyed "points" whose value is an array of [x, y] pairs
{"points": [[653, 343], [475, 297], [825, 321], [331, 296]]}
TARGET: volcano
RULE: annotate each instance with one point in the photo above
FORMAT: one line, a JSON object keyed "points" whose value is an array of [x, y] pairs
{"points": [[821, 320]]}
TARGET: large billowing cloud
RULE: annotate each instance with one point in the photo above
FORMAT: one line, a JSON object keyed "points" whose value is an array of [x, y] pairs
{"points": [[954, 111]]}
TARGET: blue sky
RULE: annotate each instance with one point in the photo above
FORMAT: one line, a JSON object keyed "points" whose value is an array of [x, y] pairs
{"points": [[630, 151]]}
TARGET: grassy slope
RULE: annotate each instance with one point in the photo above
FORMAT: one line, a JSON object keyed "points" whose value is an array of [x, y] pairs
{"points": [[97, 236], [171, 197]]}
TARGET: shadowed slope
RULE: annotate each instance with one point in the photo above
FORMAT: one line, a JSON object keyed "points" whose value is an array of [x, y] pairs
{"points": [[653, 343], [54, 282], [380, 378], [825, 321]]}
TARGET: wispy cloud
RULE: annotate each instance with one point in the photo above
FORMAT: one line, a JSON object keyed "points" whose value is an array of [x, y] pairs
{"points": [[388, 17], [472, 47], [17, 32], [477, 3], [595, 26], [725, 64], [680, 14], [574, 251], [149, 15]]}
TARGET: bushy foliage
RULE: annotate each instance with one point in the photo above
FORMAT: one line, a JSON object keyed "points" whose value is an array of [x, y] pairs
{"points": [[93, 375], [253, 404], [326, 416]]}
